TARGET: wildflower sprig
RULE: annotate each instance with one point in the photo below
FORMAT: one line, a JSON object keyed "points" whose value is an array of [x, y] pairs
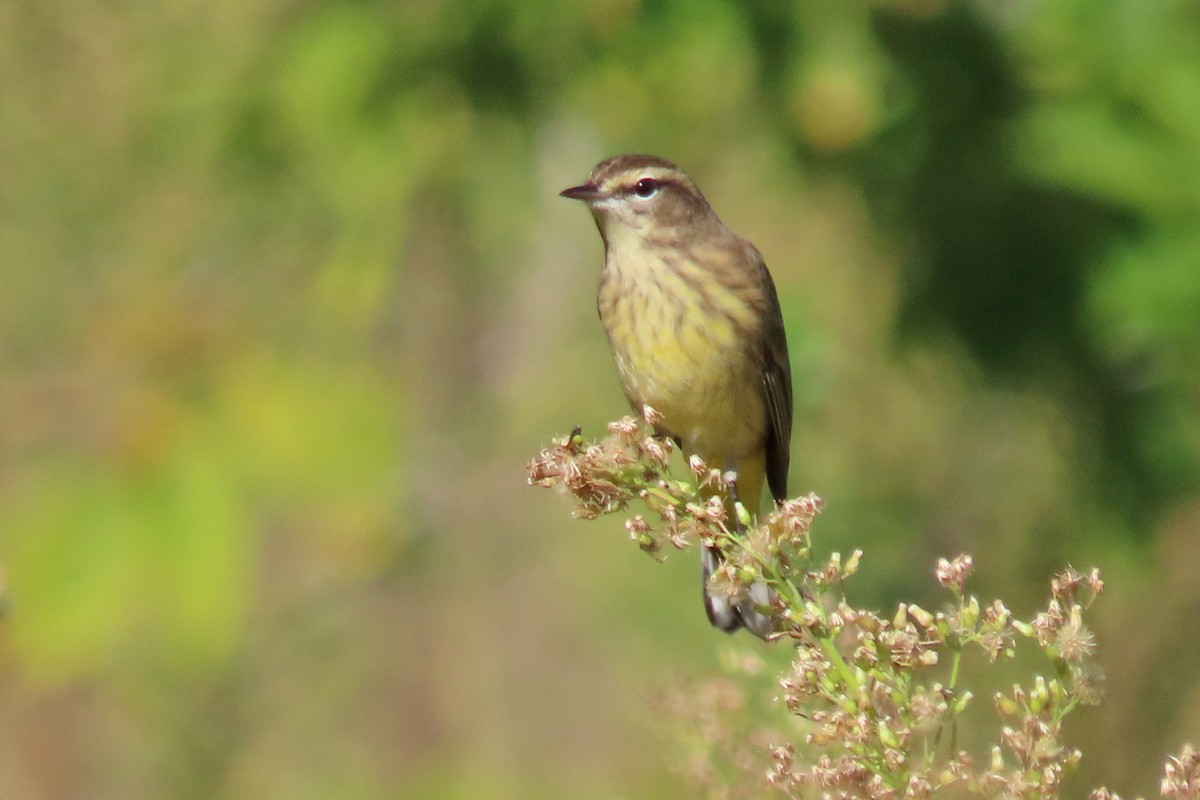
{"points": [[880, 695]]}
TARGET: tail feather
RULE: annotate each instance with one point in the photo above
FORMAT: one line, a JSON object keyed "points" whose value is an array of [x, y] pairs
{"points": [[728, 616], [744, 614], [721, 613]]}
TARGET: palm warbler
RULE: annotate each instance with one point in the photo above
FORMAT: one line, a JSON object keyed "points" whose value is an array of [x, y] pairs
{"points": [[694, 322]]}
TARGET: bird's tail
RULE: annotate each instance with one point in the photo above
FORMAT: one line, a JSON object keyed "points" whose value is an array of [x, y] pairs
{"points": [[745, 612], [730, 616]]}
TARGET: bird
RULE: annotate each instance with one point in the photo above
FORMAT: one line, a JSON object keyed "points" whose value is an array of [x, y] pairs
{"points": [[693, 318]]}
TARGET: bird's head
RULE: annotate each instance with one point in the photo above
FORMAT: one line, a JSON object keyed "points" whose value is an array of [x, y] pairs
{"points": [[641, 195]]}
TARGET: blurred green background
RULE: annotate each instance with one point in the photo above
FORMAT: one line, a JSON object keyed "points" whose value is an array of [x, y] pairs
{"points": [[288, 299]]}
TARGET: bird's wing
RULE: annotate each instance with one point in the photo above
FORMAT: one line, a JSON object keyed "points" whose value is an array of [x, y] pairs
{"points": [[777, 390]]}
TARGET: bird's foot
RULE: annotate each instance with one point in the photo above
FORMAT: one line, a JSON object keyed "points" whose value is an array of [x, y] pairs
{"points": [[741, 516]]}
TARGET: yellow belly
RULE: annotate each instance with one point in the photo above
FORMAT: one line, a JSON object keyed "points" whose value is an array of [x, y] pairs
{"points": [[688, 360]]}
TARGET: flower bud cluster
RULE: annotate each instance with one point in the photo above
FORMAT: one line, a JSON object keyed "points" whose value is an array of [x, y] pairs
{"points": [[629, 464], [876, 693], [1181, 775]]}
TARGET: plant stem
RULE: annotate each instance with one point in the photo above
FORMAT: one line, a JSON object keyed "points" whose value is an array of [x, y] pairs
{"points": [[954, 669], [773, 578]]}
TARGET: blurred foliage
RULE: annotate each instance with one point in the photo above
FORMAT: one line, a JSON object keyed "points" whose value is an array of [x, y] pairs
{"points": [[287, 299]]}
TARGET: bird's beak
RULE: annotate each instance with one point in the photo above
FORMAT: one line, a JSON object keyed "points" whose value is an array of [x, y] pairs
{"points": [[588, 193]]}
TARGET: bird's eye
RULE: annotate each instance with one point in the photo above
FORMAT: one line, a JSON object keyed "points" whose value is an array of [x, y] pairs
{"points": [[646, 187]]}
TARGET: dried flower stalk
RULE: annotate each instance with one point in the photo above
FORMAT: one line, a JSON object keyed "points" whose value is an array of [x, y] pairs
{"points": [[879, 692]]}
